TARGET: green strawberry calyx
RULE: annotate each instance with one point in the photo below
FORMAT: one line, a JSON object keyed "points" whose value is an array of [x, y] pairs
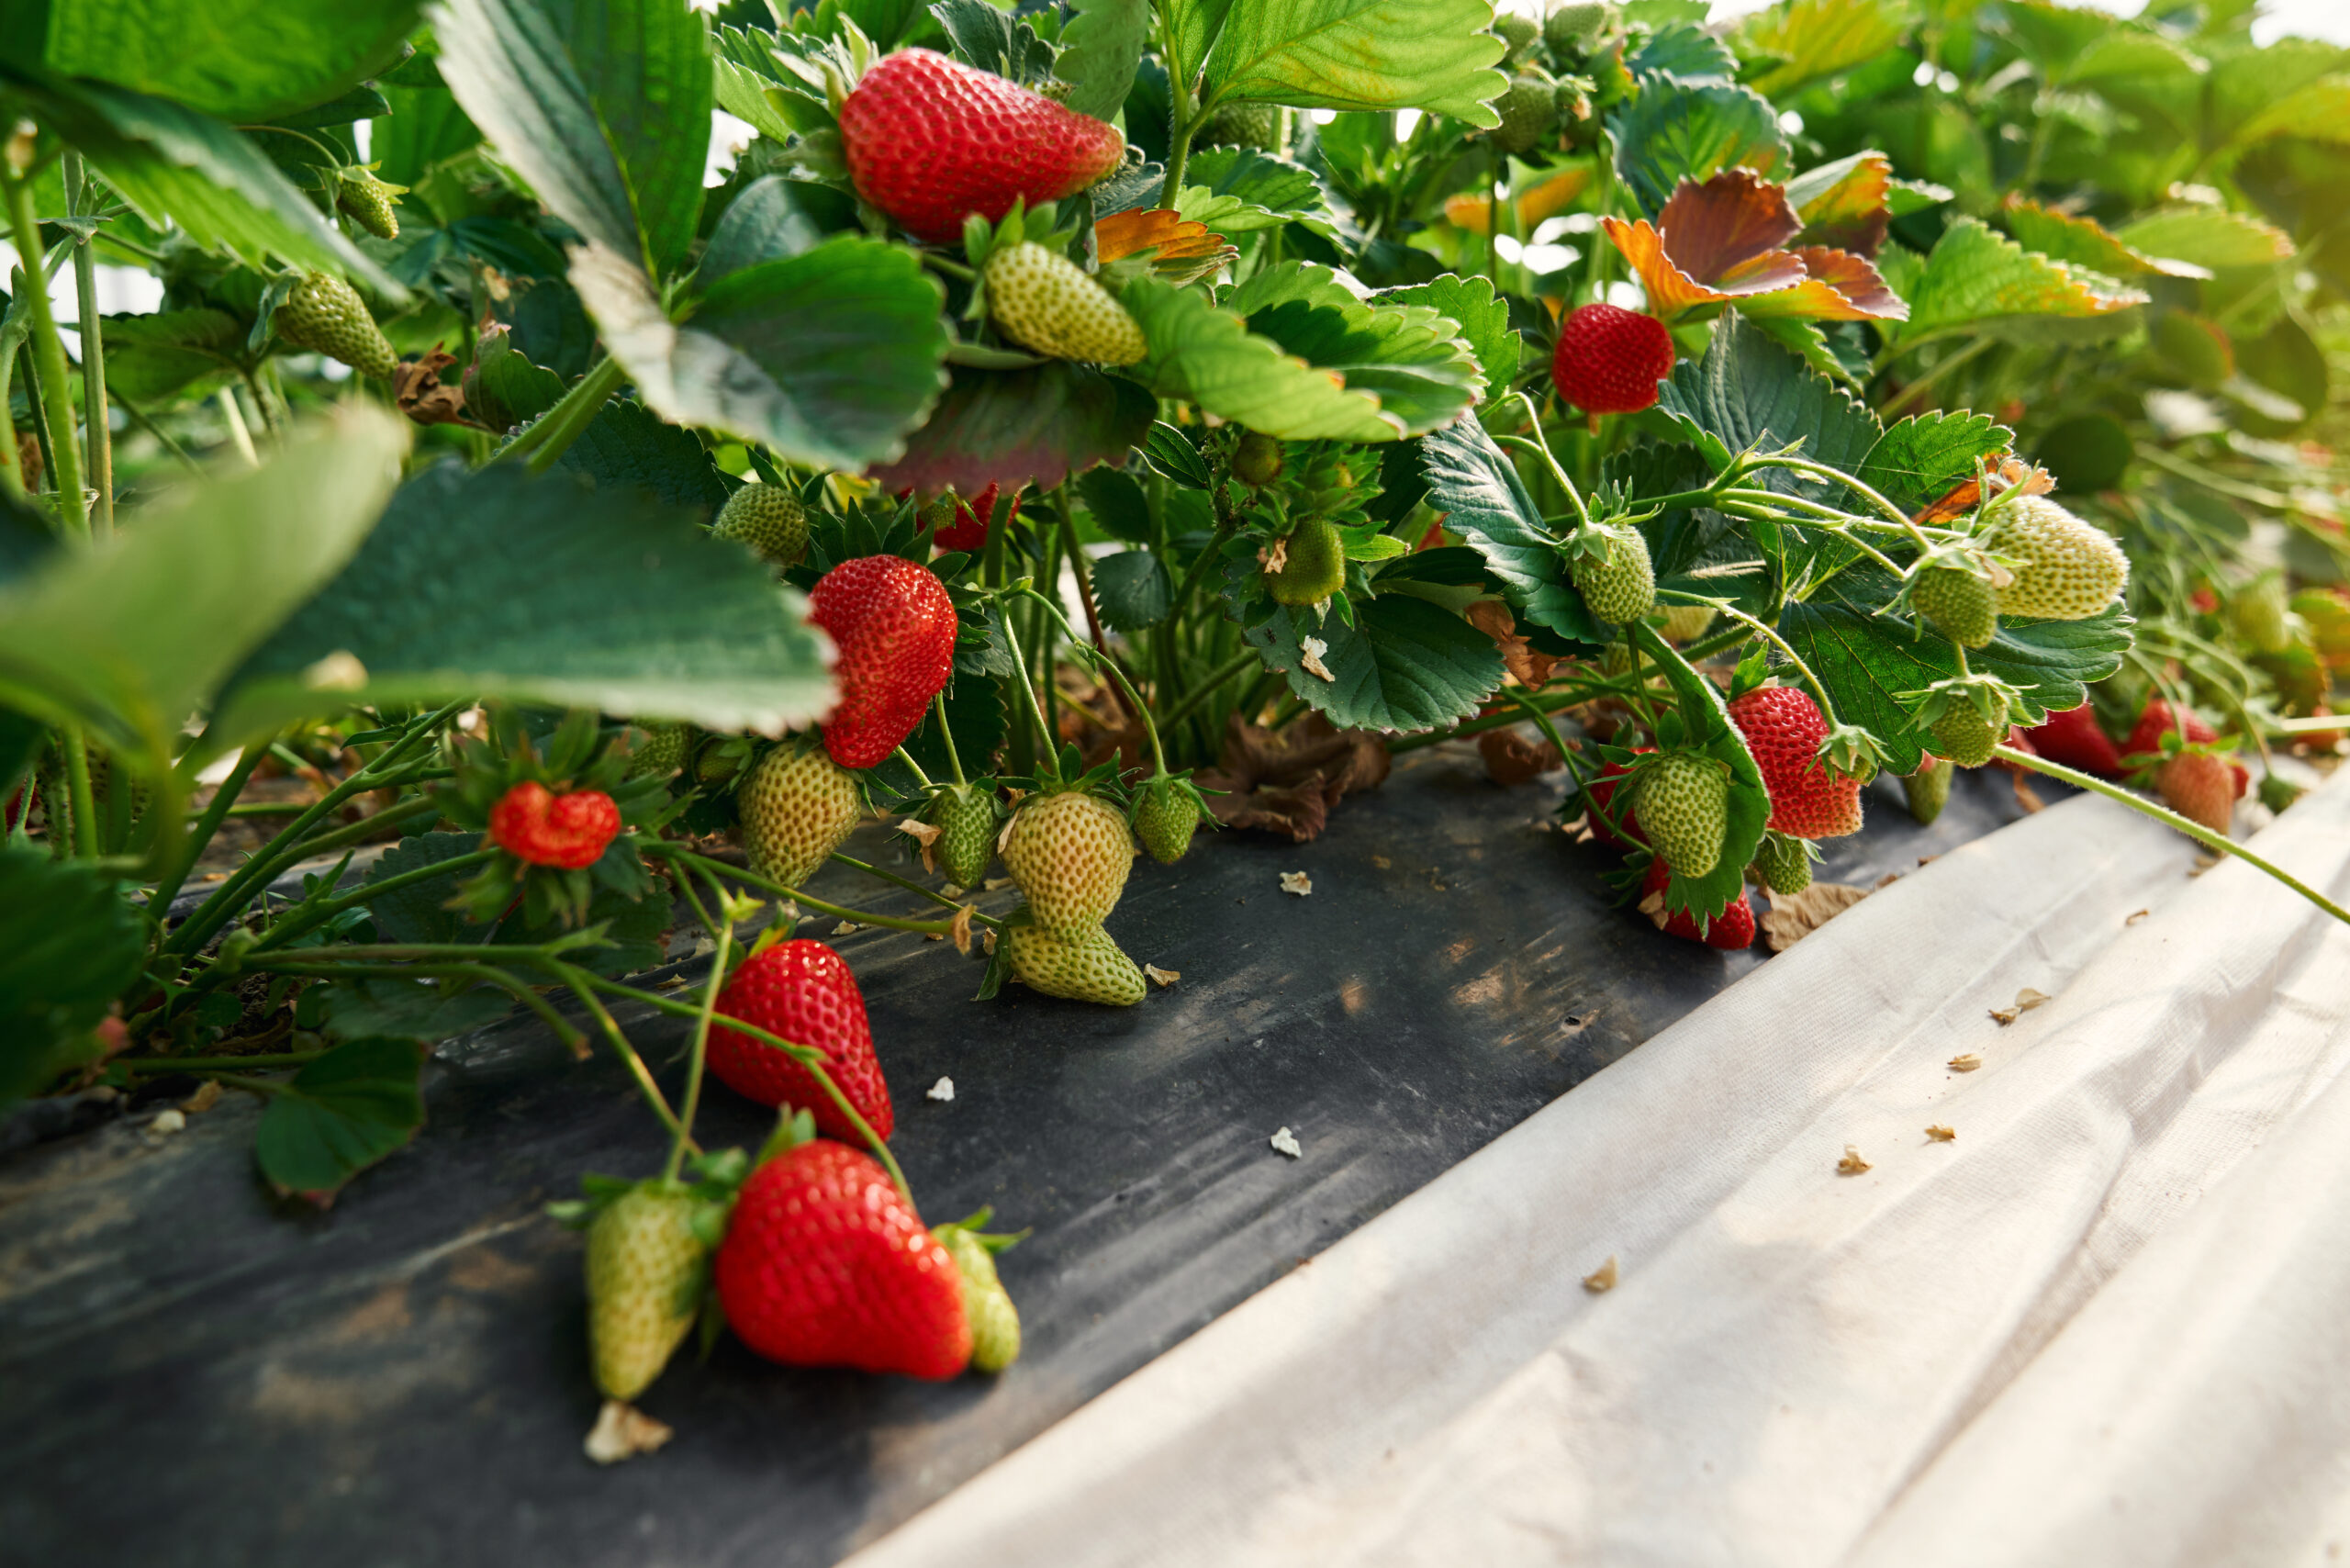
{"points": [[1992, 700]]}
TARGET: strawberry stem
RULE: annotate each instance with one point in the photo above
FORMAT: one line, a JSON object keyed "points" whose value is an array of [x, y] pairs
{"points": [[2218, 842], [946, 734], [724, 931]]}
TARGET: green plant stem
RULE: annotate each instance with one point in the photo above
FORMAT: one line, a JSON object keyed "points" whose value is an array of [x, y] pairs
{"points": [[77, 788], [316, 916], [551, 434], [933, 895], [1534, 417], [902, 754], [238, 436], [210, 1064], [1727, 610], [698, 1053], [2219, 842], [780, 890], [423, 808], [132, 412], [1048, 761], [1550, 702], [167, 887], [50, 370], [1128, 698], [946, 734], [95, 429], [1208, 685], [1943, 366]]}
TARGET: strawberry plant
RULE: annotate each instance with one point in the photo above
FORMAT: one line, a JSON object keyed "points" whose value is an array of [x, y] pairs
{"points": [[1044, 411]]}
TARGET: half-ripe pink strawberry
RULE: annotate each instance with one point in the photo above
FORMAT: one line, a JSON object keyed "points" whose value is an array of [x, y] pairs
{"points": [[930, 140], [1782, 727], [802, 992], [2074, 738], [894, 626]]}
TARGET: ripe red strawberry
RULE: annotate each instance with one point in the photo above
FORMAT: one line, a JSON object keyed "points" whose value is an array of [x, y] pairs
{"points": [[2155, 720], [2074, 738], [1609, 360], [968, 531], [544, 829], [804, 992], [1602, 795], [1730, 930], [895, 628], [1784, 727], [2200, 786], [826, 1265], [929, 140]]}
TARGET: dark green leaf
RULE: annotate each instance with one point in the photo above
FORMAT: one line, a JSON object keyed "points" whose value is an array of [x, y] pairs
{"points": [[2088, 453], [424, 1010], [499, 584], [69, 945], [1238, 190], [1923, 459], [1117, 504], [627, 445], [504, 388], [242, 63], [425, 125], [1687, 52], [635, 931], [1359, 54], [340, 1114], [1402, 666], [1132, 590], [1101, 46], [419, 912], [1172, 453], [773, 220], [1021, 427], [995, 40], [1749, 393], [1675, 131], [1481, 316], [1483, 499], [171, 352]]}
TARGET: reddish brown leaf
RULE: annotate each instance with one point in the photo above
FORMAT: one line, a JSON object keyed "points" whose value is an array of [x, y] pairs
{"points": [[423, 397], [1851, 214], [1492, 617], [1289, 782], [1725, 222]]}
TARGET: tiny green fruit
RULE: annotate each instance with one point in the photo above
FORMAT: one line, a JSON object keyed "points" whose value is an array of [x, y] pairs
{"points": [[995, 1322], [1965, 736], [1257, 461], [965, 816], [1929, 788], [1961, 606], [1783, 863], [1313, 564]]}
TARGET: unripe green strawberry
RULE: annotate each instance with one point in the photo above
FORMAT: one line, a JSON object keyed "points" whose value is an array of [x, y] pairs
{"points": [[1959, 605], [326, 315], [797, 805], [1683, 807], [662, 751], [1783, 863], [2069, 570], [1164, 815], [1257, 461], [1070, 851], [1528, 109], [995, 1322], [644, 1275], [1084, 965], [1042, 300], [1571, 26], [2257, 611], [1929, 788], [965, 817], [1687, 623], [1962, 736], [768, 518], [1517, 30], [1313, 564], [1242, 125], [369, 202], [1619, 587], [719, 757]]}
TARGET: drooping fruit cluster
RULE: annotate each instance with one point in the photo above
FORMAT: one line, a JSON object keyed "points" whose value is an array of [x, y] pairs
{"points": [[1042, 300], [768, 518], [1609, 360], [929, 141], [797, 805], [801, 991], [326, 316], [895, 627], [1069, 851]]}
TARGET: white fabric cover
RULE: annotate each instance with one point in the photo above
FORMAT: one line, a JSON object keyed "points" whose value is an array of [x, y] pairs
{"points": [[2108, 1324]]}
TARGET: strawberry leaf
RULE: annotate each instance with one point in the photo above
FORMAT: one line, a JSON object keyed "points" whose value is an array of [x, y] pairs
{"points": [[1101, 45], [1238, 190], [69, 944], [1803, 41], [1407, 360], [1470, 303], [502, 583], [1923, 459], [340, 1114], [244, 64], [2085, 242], [172, 351], [1351, 54], [1485, 502], [627, 446], [1978, 281], [1675, 131], [2207, 237], [1402, 666], [1035, 427]]}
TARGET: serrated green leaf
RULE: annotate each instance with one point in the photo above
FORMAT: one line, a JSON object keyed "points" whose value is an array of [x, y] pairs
{"points": [[1803, 41], [2085, 242], [1866, 661], [500, 583], [1976, 279], [1240, 190], [1923, 458], [2209, 237], [1101, 47], [1484, 501], [157, 356], [627, 446], [419, 913], [1675, 131], [1748, 392], [1208, 357], [773, 219], [828, 357], [1172, 453], [1117, 505], [1685, 52], [749, 84], [424, 128], [2318, 111], [242, 63], [1359, 54], [340, 1114], [604, 109], [131, 636], [1704, 725], [995, 40], [504, 388], [423, 1010], [1132, 590], [1405, 665], [1481, 314], [174, 165], [1408, 359], [70, 943]]}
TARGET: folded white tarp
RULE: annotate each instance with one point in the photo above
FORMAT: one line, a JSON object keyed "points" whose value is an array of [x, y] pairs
{"points": [[2107, 1322]]}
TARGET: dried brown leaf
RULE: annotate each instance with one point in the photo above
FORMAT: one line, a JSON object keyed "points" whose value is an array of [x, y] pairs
{"points": [[423, 397], [1940, 1133], [1512, 758], [1793, 917], [1492, 617], [1852, 1164]]}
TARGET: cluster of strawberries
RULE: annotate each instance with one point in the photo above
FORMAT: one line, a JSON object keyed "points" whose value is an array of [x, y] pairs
{"points": [[2172, 748]]}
